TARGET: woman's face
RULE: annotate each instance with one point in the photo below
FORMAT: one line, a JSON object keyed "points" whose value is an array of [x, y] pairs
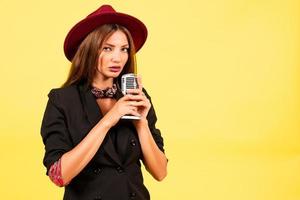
{"points": [[113, 56]]}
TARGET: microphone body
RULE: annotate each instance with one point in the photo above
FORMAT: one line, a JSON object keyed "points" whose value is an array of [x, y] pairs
{"points": [[128, 81]]}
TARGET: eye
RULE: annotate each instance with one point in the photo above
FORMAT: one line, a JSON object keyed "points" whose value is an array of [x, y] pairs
{"points": [[125, 49], [106, 49]]}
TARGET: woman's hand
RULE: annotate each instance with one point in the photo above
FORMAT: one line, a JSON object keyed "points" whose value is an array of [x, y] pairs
{"points": [[124, 106], [133, 103]]}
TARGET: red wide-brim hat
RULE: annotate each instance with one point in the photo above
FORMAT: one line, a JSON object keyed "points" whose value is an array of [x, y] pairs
{"points": [[104, 15]]}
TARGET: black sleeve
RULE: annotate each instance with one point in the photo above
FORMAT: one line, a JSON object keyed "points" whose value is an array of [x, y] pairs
{"points": [[151, 117], [54, 131]]}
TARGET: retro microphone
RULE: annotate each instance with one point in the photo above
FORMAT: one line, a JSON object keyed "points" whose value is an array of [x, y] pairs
{"points": [[129, 81]]}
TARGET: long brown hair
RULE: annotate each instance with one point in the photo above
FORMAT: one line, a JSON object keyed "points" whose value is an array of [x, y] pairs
{"points": [[85, 61]]}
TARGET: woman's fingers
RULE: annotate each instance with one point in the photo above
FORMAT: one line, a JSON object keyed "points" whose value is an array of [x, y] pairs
{"points": [[137, 103], [125, 98], [137, 97], [133, 112], [133, 91]]}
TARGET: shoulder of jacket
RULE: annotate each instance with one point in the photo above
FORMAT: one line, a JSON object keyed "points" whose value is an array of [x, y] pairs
{"points": [[63, 91], [63, 94]]}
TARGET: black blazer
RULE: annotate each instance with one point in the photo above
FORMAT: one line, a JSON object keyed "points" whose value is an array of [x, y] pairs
{"points": [[114, 173]]}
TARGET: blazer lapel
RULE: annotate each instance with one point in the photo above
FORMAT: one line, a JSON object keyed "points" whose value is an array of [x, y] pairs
{"points": [[94, 115]]}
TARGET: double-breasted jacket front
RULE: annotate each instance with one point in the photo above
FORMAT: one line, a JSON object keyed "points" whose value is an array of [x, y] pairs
{"points": [[114, 173]]}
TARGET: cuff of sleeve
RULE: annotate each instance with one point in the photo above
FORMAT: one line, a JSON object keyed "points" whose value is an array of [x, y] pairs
{"points": [[55, 173]]}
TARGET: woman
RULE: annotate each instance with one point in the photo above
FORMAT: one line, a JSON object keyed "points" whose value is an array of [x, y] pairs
{"points": [[89, 149]]}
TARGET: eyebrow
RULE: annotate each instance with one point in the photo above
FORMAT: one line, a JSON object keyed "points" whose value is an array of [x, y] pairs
{"points": [[114, 45]]}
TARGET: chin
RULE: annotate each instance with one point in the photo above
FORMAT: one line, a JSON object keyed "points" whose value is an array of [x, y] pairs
{"points": [[113, 75]]}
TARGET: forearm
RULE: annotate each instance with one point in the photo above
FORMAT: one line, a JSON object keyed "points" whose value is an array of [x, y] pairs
{"points": [[76, 159], [154, 159]]}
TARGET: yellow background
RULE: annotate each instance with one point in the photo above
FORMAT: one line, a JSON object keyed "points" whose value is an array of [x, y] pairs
{"points": [[224, 79]]}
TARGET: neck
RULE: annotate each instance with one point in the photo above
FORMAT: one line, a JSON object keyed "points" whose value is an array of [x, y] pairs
{"points": [[102, 83]]}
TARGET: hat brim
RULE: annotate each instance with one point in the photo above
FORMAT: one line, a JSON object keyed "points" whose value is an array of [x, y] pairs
{"points": [[77, 34]]}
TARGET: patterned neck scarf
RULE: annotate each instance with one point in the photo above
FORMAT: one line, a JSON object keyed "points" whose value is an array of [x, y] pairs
{"points": [[109, 92]]}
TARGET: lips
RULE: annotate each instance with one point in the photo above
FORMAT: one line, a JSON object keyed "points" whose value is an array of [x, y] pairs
{"points": [[115, 68]]}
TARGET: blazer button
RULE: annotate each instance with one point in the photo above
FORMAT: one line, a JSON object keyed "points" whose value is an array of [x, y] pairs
{"points": [[97, 170], [132, 142], [97, 198], [132, 195], [120, 169]]}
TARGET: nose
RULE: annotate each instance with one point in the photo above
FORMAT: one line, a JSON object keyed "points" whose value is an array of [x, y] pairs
{"points": [[116, 56]]}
